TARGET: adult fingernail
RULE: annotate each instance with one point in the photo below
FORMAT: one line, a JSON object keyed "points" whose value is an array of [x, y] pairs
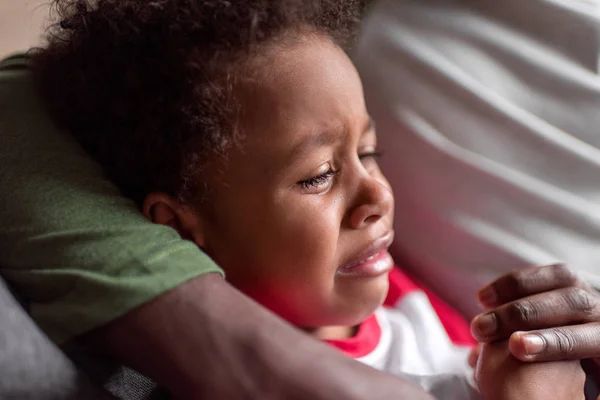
{"points": [[486, 324], [534, 344], [487, 296]]}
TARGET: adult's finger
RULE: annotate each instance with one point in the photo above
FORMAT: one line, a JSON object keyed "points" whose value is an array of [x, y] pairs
{"points": [[561, 307], [526, 282], [574, 342]]}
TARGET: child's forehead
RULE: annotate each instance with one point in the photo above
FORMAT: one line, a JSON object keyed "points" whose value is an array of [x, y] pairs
{"points": [[307, 93], [280, 64], [312, 83]]}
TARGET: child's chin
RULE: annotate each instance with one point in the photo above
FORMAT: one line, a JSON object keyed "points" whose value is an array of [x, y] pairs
{"points": [[370, 295], [360, 312], [347, 305], [351, 315]]}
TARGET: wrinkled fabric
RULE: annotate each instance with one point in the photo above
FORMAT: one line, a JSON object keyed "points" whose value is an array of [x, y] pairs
{"points": [[489, 116], [31, 366]]}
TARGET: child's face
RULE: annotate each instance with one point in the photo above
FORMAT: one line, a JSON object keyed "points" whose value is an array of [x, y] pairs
{"points": [[303, 197]]}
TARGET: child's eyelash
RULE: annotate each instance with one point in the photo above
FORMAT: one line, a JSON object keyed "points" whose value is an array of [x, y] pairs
{"points": [[317, 180], [373, 154], [324, 177]]}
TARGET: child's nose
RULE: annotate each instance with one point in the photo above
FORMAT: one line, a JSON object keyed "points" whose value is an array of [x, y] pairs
{"points": [[374, 201]]}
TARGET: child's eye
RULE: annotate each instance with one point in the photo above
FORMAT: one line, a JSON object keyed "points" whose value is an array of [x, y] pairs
{"points": [[373, 154], [369, 160], [319, 183]]}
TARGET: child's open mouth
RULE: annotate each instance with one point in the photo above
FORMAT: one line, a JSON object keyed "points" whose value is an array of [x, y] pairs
{"points": [[378, 264], [372, 262]]}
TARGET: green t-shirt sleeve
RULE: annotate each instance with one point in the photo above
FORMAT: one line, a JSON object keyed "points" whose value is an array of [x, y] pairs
{"points": [[77, 252]]}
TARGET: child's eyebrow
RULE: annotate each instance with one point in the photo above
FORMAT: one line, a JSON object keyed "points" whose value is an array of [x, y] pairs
{"points": [[324, 138], [327, 138]]}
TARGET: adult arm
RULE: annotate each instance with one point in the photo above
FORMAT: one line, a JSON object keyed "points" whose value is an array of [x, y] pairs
{"points": [[89, 265], [204, 339]]}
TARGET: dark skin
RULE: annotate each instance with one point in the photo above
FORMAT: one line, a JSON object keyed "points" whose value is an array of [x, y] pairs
{"points": [[501, 376], [547, 312], [206, 340]]}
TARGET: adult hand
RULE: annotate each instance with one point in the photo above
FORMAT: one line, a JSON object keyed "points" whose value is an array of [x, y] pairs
{"points": [[206, 340], [548, 313]]}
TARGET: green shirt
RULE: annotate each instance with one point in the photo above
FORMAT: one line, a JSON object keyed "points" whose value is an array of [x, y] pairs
{"points": [[77, 252]]}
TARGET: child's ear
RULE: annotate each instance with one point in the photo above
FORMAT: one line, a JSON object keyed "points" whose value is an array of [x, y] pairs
{"points": [[163, 209]]}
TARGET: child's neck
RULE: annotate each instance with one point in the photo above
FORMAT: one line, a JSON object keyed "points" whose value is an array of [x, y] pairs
{"points": [[332, 332]]}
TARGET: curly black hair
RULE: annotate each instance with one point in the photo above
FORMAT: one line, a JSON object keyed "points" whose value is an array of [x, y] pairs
{"points": [[146, 85]]}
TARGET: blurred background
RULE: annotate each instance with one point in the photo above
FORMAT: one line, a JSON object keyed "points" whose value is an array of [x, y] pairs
{"points": [[21, 24]]}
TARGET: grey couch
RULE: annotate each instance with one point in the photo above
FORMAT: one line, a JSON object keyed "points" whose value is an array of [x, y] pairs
{"points": [[33, 368]]}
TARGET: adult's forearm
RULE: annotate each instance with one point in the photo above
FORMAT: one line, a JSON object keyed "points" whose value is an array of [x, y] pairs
{"points": [[205, 339]]}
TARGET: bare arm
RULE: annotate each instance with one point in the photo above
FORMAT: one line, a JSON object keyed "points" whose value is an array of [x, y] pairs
{"points": [[204, 339]]}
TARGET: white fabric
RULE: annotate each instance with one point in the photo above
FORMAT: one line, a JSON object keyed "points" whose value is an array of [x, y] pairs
{"points": [[414, 342], [489, 114]]}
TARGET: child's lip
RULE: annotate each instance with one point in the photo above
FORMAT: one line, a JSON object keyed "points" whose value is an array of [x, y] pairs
{"points": [[377, 246], [372, 267]]}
